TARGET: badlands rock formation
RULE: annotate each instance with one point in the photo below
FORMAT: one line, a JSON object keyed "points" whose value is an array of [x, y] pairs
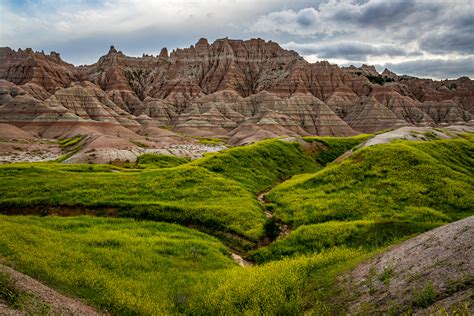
{"points": [[240, 91]]}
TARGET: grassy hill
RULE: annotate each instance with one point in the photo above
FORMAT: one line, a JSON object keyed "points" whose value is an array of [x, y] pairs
{"points": [[140, 267], [400, 180], [339, 212], [215, 193], [120, 265], [375, 197]]}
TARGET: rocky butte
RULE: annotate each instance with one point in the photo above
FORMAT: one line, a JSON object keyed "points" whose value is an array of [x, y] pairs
{"points": [[238, 90]]}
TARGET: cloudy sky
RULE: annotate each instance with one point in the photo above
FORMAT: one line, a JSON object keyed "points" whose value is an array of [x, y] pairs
{"points": [[425, 38]]}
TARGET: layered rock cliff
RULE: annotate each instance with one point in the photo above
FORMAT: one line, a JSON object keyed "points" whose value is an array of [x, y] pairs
{"points": [[238, 90]]}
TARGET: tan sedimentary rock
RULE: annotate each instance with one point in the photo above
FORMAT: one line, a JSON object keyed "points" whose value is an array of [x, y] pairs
{"points": [[243, 90], [371, 116], [26, 66], [363, 70], [405, 108]]}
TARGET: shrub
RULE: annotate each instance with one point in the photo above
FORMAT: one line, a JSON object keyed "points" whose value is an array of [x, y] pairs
{"points": [[271, 228], [425, 297]]}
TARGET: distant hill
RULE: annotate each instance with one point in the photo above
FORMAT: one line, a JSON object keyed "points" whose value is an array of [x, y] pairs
{"points": [[238, 90]]}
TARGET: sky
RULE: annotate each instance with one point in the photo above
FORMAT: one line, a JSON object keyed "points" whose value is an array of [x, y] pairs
{"points": [[423, 38]]}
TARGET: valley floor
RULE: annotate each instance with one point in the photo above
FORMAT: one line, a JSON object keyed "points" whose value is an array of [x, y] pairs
{"points": [[277, 227]]}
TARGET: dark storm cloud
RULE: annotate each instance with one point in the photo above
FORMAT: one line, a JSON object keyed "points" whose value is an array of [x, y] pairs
{"points": [[457, 36], [354, 17], [435, 68], [448, 42], [306, 17], [378, 14], [350, 50], [428, 31]]}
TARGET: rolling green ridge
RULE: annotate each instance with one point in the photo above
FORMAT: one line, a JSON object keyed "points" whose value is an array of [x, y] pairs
{"points": [[338, 212], [215, 193], [259, 166], [376, 197], [116, 264], [138, 267], [185, 194], [382, 182]]}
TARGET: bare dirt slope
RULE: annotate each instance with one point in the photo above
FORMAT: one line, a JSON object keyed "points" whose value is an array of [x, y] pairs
{"points": [[432, 271], [47, 300], [418, 133]]}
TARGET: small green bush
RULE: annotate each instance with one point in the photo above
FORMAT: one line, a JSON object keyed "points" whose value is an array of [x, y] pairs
{"points": [[425, 297], [271, 228]]}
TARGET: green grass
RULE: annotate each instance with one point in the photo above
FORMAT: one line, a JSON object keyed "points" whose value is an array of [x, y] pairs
{"points": [[70, 142], [215, 193], [285, 287], [210, 141], [185, 194], [159, 161], [261, 165], [339, 212], [425, 297], [119, 265], [378, 196], [363, 235], [71, 146], [8, 292], [139, 267], [401, 181]]}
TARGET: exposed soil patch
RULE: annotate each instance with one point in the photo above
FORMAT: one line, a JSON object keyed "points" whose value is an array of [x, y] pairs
{"points": [[241, 261], [60, 210], [431, 271], [28, 150], [107, 151], [50, 301]]}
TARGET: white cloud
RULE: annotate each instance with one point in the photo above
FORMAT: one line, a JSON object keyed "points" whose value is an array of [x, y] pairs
{"points": [[73, 20]]}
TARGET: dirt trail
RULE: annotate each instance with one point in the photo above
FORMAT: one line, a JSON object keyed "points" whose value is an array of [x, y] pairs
{"points": [[263, 200], [284, 229], [261, 197], [241, 261], [56, 302]]}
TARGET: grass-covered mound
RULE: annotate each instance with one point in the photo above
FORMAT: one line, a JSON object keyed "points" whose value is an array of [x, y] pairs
{"points": [[261, 165], [391, 181], [362, 235], [186, 194], [379, 195], [139, 267], [159, 161], [118, 265]]}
